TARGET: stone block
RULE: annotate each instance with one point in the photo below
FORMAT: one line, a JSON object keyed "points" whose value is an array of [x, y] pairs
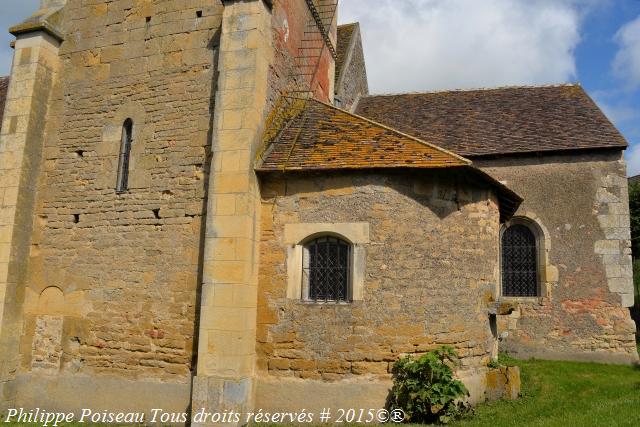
{"points": [[610, 247], [620, 284], [503, 383], [230, 182]]}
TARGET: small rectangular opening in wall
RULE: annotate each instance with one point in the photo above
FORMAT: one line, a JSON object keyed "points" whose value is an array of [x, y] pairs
{"points": [[76, 218], [156, 213], [199, 14], [493, 324], [147, 19]]}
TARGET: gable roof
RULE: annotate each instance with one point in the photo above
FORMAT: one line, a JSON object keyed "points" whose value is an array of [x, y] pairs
{"points": [[507, 120], [4, 86], [321, 137], [345, 34]]}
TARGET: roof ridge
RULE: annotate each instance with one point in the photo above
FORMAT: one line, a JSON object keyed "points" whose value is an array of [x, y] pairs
{"points": [[476, 89], [428, 144]]}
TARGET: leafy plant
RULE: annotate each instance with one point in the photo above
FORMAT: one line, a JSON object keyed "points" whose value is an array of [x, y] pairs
{"points": [[504, 359], [424, 388], [494, 364]]}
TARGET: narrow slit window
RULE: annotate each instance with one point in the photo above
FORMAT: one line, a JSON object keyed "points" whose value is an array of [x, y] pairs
{"points": [[125, 155], [327, 270]]}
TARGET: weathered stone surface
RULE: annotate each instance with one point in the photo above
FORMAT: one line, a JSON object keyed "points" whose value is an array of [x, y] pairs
{"points": [[102, 294], [127, 264], [416, 294], [581, 200], [351, 82], [503, 383]]}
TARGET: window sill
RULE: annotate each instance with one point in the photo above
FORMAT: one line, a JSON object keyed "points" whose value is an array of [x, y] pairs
{"points": [[522, 300], [330, 303]]}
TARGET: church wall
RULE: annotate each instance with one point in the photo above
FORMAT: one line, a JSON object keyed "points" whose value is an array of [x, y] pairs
{"points": [[353, 78], [112, 284], [292, 23], [580, 201], [429, 271]]}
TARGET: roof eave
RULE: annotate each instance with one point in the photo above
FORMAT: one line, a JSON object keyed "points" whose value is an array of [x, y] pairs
{"points": [[546, 152], [508, 200]]}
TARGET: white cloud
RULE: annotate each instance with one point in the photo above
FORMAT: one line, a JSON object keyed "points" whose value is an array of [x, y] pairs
{"points": [[626, 63], [632, 156], [414, 45], [619, 113]]}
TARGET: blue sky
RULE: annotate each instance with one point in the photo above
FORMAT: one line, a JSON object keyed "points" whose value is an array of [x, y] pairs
{"points": [[613, 88], [423, 45]]}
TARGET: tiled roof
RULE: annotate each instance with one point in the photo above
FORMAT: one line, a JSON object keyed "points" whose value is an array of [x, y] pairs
{"points": [[325, 137], [498, 121], [4, 85], [321, 137], [342, 46]]}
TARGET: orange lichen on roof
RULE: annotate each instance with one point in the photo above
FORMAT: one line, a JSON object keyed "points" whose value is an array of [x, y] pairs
{"points": [[322, 136]]}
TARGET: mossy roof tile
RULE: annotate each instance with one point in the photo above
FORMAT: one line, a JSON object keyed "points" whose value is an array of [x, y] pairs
{"points": [[322, 136]]}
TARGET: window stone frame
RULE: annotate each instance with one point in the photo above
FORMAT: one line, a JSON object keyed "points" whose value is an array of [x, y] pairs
{"points": [[547, 273], [297, 235], [108, 149]]}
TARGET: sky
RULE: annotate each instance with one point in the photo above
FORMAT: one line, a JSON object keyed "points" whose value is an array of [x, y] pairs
{"points": [[426, 45]]}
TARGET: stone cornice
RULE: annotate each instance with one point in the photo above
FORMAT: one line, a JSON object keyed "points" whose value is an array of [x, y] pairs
{"points": [[43, 20]]}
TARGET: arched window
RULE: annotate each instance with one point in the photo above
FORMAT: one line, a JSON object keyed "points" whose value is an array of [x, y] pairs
{"points": [[519, 262], [327, 270], [125, 153]]}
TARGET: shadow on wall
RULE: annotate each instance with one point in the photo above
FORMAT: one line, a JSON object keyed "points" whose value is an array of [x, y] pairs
{"points": [[214, 46], [441, 191]]}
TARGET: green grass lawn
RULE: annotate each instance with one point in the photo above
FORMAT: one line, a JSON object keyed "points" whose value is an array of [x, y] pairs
{"points": [[567, 394]]}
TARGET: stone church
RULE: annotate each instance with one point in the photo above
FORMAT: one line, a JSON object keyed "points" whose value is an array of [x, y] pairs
{"points": [[203, 207]]}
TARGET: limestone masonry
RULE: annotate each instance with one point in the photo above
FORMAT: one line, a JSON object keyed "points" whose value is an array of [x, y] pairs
{"points": [[203, 207]]}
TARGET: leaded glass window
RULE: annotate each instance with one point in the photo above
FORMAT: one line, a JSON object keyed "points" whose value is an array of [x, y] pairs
{"points": [[519, 262], [326, 270]]}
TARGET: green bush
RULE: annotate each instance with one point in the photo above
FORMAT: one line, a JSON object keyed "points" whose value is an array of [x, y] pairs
{"points": [[424, 388]]}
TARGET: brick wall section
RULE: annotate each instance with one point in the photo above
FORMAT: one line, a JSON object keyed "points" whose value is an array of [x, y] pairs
{"points": [[290, 20], [581, 200], [417, 294], [134, 256]]}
